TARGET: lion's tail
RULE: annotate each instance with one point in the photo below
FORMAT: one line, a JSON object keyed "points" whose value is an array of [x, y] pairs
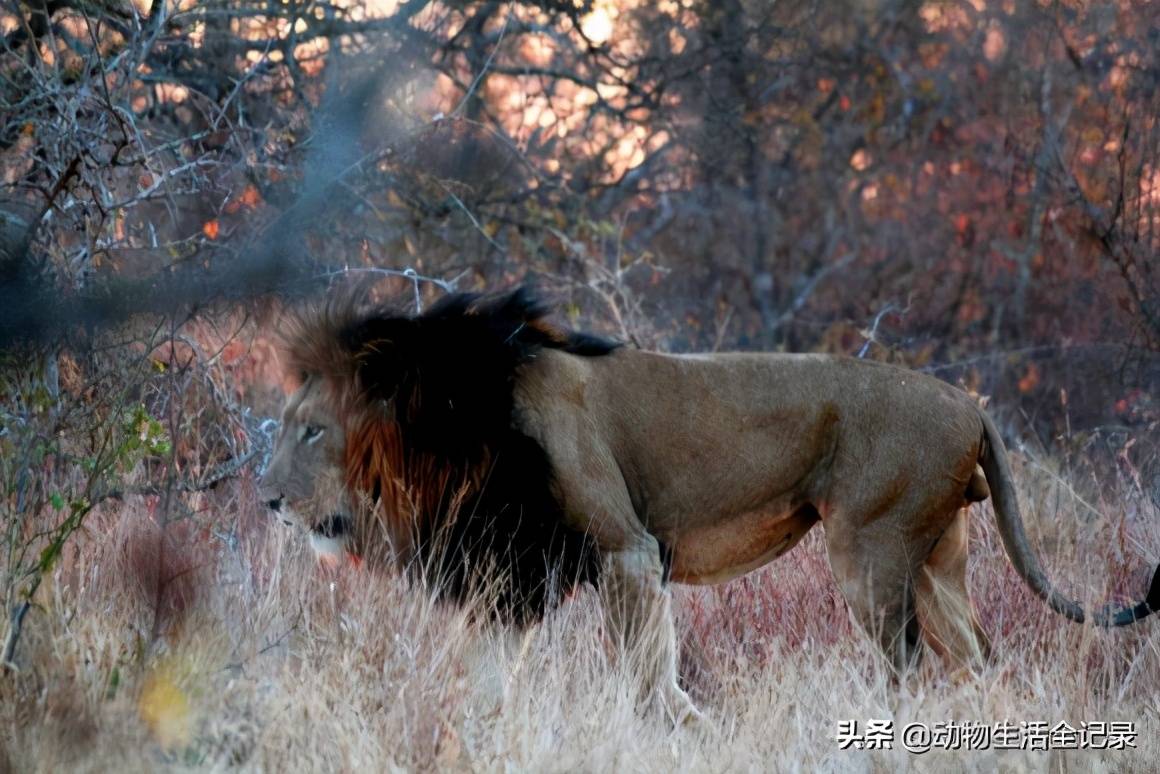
{"points": [[1010, 522]]}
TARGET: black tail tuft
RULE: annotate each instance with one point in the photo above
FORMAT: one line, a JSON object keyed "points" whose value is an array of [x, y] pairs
{"points": [[1124, 616], [1153, 598]]}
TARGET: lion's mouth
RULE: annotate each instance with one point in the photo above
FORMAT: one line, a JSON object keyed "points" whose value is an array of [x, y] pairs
{"points": [[334, 527]]}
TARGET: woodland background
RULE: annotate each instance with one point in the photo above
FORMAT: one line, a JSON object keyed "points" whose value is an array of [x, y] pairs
{"points": [[970, 188]]}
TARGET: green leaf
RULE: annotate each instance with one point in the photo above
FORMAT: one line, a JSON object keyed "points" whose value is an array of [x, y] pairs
{"points": [[49, 556]]}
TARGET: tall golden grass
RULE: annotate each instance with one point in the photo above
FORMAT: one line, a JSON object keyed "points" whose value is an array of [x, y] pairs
{"points": [[267, 661]]}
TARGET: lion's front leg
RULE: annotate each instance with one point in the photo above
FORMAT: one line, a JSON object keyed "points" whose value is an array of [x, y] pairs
{"points": [[639, 617]]}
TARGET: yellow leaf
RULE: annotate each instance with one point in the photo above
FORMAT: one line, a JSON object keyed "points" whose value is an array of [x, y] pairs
{"points": [[165, 709]]}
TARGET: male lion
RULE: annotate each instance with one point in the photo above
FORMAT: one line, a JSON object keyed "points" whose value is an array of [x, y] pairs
{"points": [[478, 441]]}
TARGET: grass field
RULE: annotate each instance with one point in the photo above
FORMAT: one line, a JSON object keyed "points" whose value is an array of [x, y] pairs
{"points": [[262, 660]]}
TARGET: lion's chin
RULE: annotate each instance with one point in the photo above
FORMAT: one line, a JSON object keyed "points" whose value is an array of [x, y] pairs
{"points": [[331, 539], [328, 549]]}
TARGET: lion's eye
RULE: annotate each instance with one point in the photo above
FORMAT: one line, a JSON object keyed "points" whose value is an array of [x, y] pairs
{"points": [[311, 433]]}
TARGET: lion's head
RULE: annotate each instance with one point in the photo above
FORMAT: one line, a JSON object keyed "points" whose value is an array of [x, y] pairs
{"points": [[305, 484], [401, 443]]}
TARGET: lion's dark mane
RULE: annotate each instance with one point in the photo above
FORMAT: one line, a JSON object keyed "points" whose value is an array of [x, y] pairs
{"points": [[432, 425]]}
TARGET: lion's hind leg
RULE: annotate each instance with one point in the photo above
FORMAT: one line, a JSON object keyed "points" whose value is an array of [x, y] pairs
{"points": [[638, 613], [875, 569], [947, 616]]}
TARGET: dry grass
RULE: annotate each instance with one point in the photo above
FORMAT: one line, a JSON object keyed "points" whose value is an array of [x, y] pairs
{"points": [[268, 662]]}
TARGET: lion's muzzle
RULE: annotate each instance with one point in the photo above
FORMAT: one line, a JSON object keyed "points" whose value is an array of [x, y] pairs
{"points": [[331, 537], [275, 506], [283, 511]]}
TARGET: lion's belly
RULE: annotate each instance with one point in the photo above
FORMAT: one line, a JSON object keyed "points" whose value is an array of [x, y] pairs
{"points": [[715, 554]]}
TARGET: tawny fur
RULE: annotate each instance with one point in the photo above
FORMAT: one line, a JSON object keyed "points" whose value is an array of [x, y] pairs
{"points": [[716, 463]]}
